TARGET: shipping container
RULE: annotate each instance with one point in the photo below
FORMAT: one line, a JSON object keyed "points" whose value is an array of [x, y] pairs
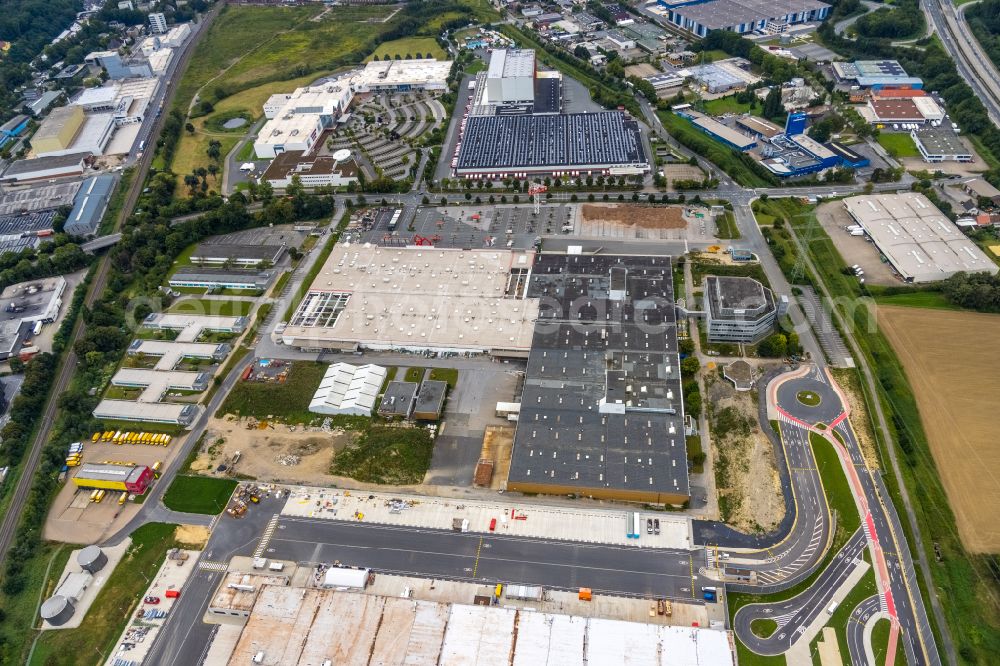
{"points": [[172, 594]]}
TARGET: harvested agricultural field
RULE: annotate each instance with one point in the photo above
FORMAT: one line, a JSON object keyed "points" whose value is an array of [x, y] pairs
{"points": [[645, 217], [956, 388]]}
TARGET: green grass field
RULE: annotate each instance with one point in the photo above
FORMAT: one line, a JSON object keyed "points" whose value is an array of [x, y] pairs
{"points": [[898, 145], [215, 307], [409, 47], [717, 107], [114, 604], [414, 374], [386, 454], [199, 494], [287, 402]]}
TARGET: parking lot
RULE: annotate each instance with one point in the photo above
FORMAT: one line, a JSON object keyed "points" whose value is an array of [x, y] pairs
{"points": [[473, 226], [75, 519], [854, 249]]}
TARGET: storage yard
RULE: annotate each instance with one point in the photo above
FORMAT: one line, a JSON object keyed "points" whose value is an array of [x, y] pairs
{"points": [[956, 393]]}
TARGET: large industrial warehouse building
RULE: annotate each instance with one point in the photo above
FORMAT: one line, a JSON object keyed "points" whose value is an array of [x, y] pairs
{"points": [[601, 410], [743, 16], [918, 240], [607, 142], [417, 299]]}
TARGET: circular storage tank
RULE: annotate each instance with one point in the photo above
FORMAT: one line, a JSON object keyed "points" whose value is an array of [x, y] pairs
{"points": [[342, 154], [57, 610], [91, 559]]}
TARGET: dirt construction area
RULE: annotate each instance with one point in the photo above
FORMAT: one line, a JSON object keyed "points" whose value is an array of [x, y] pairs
{"points": [[956, 392], [628, 221], [854, 249], [277, 453], [745, 471]]}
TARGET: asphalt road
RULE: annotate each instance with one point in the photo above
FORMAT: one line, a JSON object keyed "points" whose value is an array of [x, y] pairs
{"points": [[856, 630], [619, 570], [797, 613]]}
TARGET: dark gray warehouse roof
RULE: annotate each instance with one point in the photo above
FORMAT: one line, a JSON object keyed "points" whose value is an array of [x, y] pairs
{"points": [[89, 205], [590, 350]]}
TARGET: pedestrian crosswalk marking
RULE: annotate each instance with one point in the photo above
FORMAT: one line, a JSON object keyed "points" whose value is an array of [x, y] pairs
{"points": [[266, 537]]}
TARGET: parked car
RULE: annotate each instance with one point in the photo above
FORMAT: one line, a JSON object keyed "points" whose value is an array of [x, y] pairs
{"points": [[151, 600], [649, 526], [656, 526]]}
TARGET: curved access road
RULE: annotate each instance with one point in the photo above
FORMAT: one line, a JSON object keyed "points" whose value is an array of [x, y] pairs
{"points": [[795, 614], [865, 613]]}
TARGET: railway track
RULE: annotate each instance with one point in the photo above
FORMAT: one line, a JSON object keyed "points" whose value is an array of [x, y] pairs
{"points": [[11, 519]]}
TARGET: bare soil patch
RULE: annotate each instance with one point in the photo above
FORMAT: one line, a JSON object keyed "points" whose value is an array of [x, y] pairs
{"points": [[192, 535], [278, 453], [645, 217], [956, 389], [746, 474], [861, 422]]}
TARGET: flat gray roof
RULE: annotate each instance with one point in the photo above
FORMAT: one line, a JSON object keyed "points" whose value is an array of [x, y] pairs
{"points": [[44, 163], [431, 396], [941, 141], [717, 14], [920, 242], [601, 410], [398, 398]]}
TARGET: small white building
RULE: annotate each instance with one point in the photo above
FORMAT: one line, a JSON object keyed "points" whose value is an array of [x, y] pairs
{"points": [[348, 389]]}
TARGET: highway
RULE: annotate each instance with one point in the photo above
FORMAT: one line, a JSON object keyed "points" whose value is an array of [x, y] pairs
{"points": [[152, 125], [973, 64]]}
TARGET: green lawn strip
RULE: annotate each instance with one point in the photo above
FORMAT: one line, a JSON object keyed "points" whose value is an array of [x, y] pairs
{"points": [[114, 605], [279, 285], [386, 454], [287, 401], [116, 202], [918, 299], [210, 306], [246, 153], [414, 374], [695, 454], [199, 494], [898, 145], [449, 375], [961, 578], [726, 227], [836, 487]]}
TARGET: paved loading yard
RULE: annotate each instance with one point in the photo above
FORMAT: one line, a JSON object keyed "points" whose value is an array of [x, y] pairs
{"points": [[472, 226], [512, 519], [854, 249]]}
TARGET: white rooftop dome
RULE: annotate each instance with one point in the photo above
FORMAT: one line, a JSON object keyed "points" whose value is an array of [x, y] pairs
{"points": [[342, 154]]}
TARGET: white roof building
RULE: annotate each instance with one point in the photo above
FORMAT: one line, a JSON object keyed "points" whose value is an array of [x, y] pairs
{"points": [[918, 240], [348, 389]]}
